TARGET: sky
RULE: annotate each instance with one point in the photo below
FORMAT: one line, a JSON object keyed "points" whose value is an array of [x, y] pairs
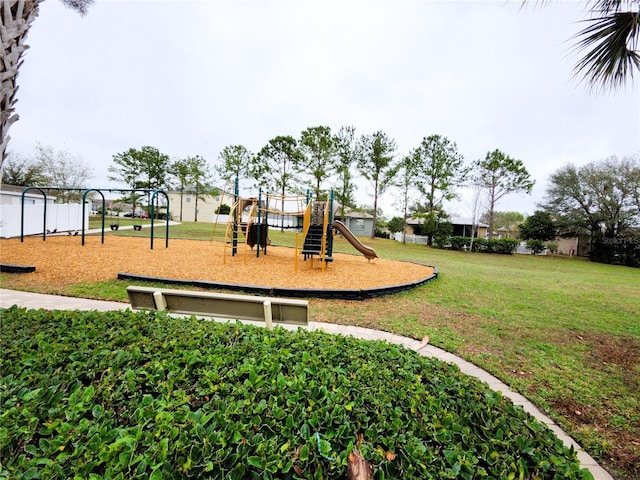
{"points": [[190, 78]]}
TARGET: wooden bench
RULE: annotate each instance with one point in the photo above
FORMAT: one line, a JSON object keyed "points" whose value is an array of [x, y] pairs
{"points": [[223, 305]]}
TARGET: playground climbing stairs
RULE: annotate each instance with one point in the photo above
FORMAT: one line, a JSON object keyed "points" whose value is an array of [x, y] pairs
{"points": [[313, 243]]}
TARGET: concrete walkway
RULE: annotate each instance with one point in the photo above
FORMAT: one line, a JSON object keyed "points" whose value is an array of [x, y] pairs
{"points": [[54, 302]]}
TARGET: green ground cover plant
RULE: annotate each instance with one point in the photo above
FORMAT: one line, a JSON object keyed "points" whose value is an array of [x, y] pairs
{"points": [[563, 332], [122, 395]]}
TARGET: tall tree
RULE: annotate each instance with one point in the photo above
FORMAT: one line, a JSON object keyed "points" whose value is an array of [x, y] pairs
{"points": [[146, 168], [403, 176], [235, 163], [200, 179], [23, 172], [181, 170], [17, 17], [277, 166], [599, 199], [507, 222], [318, 147], [538, 226], [346, 157], [375, 157], [476, 208], [500, 175], [63, 170], [442, 170]]}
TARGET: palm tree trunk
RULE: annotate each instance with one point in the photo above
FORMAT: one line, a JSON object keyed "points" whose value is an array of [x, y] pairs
{"points": [[17, 17]]}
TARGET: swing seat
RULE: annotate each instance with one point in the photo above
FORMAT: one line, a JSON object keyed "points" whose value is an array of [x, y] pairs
{"points": [[137, 227], [114, 226]]}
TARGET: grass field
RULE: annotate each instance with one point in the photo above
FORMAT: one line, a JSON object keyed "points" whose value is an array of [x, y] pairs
{"points": [[563, 332]]}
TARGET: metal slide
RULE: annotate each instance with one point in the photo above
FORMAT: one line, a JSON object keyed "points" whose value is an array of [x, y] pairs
{"points": [[368, 252]]}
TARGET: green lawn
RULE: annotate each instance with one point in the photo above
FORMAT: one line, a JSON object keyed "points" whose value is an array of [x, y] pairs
{"points": [[563, 332]]}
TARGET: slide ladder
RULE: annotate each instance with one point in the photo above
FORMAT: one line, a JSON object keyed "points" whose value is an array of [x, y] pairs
{"points": [[316, 228]]}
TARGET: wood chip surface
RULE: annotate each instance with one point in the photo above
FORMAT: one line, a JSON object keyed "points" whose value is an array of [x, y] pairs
{"points": [[62, 260]]}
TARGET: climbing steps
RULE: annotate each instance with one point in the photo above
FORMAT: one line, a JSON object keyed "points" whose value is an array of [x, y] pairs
{"points": [[313, 240]]}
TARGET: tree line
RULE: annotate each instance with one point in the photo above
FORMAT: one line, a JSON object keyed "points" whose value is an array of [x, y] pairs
{"points": [[599, 201], [317, 160]]}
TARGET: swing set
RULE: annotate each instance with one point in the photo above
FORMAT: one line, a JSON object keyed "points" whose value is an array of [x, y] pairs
{"points": [[100, 191]]}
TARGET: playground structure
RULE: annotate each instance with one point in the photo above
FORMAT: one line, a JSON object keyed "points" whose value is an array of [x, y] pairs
{"points": [[84, 193], [249, 217]]}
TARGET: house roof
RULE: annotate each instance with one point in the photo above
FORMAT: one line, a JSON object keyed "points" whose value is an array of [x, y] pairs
{"points": [[16, 191], [358, 215], [466, 221]]}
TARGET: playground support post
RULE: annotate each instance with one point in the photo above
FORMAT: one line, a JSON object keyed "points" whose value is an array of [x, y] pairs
{"points": [[153, 202], [44, 219], [258, 225], [84, 204], [330, 242], [234, 235]]}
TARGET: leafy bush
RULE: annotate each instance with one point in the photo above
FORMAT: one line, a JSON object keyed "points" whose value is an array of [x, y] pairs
{"points": [[124, 395], [536, 246], [380, 233], [480, 245], [442, 234], [396, 224], [459, 243], [223, 209], [506, 246], [621, 250]]}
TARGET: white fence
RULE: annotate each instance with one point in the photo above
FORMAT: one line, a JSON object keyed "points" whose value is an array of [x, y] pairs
{"points": [[61, 217], [417, 239]]}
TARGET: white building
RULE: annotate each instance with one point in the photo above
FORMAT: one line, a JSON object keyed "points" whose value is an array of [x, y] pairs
{"points": [[60, 217]]}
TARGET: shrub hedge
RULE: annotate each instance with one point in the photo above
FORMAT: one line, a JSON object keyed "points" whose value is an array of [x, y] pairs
{"points": [[122, 395], [505, 246]]}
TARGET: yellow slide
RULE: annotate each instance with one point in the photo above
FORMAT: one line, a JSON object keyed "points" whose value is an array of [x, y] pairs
{"points": [[368, 252]]}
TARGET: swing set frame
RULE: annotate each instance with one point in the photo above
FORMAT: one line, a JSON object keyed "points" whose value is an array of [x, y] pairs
{"points": [[85, 192]]}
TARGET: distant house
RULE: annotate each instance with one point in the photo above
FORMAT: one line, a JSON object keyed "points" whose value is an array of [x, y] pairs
{"points": [[462, 227], [12, 195], [573, 246], [207, 206]]}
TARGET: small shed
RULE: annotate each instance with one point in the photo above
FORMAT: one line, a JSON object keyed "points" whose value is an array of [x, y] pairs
{"points": [[360, 223]]}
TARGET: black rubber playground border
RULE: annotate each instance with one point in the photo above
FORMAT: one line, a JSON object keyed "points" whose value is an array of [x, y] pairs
{"points": [[8, 268], [356, 294]]}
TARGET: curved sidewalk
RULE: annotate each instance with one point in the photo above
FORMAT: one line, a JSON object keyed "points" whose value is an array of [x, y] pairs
{"points": [[55, 302]]}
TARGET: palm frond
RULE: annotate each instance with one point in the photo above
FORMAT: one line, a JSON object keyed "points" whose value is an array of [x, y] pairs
{"points": [[610, 42], [81, 6], [610, 6]]}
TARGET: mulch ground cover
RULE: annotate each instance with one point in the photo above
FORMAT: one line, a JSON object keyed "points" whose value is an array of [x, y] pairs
{"points": [[62, 260]]}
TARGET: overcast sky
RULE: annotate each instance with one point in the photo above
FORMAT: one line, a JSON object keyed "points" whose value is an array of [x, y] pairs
{"points": [[192, 77]]}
